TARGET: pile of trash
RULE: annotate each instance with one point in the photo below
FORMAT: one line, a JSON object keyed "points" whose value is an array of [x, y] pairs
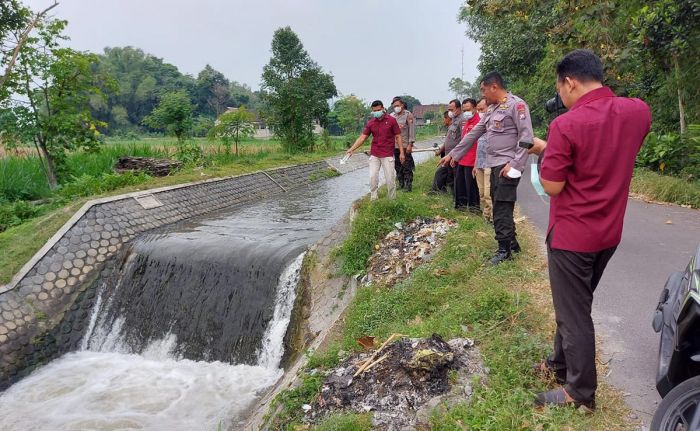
{"points": [[400, 382], [404, 248]]}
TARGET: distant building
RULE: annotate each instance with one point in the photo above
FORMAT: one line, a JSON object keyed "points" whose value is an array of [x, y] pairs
{"points": [[420, 111], [264, 132]]}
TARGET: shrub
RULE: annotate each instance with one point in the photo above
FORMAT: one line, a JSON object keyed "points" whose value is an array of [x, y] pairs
{"points": [[14, 213], [672, 153]]}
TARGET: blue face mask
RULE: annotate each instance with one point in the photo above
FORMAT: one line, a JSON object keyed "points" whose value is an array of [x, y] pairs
{"points": [[377, 114], [535, 179]]}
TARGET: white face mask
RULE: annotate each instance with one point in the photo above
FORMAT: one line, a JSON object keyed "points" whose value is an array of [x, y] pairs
{"points": [[450, 114], [397, 109]]}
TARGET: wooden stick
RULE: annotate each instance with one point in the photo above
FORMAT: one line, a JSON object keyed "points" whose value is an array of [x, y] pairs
{"points": [[386, 355], [374, 355]]}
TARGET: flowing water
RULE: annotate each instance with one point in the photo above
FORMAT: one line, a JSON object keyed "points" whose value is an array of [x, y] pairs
{"points": [[189, 331]]}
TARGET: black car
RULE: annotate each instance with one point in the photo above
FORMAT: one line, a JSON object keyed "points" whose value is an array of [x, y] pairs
{"points": [[677, 318]]}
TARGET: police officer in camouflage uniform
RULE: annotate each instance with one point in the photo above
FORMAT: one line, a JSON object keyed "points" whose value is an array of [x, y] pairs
{"points": [[407, 123], [506, 123]]}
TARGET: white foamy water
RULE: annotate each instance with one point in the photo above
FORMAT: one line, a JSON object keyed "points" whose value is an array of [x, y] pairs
{"points": [[272, 348], [111, 389]]}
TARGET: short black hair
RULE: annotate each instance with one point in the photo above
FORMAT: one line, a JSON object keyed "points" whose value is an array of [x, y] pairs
{"points": [[395, 99], [377, 103], [469, 100], [582, 65], [446, 114], [457, 103], [493, 78]]}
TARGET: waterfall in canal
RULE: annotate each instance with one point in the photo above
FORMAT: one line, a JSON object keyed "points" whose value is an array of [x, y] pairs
{"points": [[187, 328], [181, 338]]}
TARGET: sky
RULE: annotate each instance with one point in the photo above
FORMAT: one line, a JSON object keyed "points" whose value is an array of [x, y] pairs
{"points": [[375, 49]]}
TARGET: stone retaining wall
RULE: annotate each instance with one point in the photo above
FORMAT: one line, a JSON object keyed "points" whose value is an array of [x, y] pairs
{"points": [[44, 310]]}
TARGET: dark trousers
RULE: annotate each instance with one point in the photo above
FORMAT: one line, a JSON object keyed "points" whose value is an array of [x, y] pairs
{"points": [[404, 171], [503, 194], [444, 178], [466, 189], [574, 277]]}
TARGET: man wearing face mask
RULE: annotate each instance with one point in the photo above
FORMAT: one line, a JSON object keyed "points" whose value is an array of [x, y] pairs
{"points": [[466, 190], [444, 176], [586, 169], [407, 124], [505, 123], [385, 133]]}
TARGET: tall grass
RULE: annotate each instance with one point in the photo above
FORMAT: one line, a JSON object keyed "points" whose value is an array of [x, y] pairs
{"points": [[22, 178], [665, 188], [102, 161]]}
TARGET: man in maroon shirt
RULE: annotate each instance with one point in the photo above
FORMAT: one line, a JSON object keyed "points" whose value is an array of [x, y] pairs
{"points": [[386, 134], [586, 169]]}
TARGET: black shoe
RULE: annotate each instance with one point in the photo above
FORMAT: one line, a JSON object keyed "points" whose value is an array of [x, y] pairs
{"points": [[500, 257], [515, 247], [502, 254], [408, 187]]}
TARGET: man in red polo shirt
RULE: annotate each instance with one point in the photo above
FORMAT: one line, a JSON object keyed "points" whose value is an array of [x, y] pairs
{"points": [[466, 189], [586, 169], [386, 134]]}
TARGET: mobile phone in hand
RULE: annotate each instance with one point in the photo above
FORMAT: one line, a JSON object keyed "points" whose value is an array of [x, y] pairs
{"points": [[526, 145]]}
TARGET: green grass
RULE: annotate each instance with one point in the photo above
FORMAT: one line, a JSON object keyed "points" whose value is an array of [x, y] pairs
{"points": [[664, 188], [506, 309]]}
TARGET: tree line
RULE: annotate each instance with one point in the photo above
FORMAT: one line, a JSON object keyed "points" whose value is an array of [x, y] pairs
{"points": [[61, 100], [651, 50]]}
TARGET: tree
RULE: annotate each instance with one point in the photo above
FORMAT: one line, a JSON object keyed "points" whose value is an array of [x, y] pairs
{"points": [[296, 91], [350, 113], [213, 93], [173, 114], [233, 126], [13, 17], [410, 101], [463, 89], [51, 92], [141, 81], [667, 34]]}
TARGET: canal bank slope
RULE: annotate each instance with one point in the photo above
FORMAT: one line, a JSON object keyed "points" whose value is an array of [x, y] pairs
{"points": [[505, 309]]}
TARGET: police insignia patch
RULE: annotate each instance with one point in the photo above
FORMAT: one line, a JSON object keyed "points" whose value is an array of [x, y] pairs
{"points": [[522, 115], [503, 106]]}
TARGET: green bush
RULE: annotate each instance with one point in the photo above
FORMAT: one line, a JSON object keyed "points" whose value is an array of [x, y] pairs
{"points": [[190, 154], [14, 213], [672, 153]]}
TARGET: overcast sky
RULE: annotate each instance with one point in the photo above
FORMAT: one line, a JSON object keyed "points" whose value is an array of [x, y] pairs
{"points": [[373, 48]]}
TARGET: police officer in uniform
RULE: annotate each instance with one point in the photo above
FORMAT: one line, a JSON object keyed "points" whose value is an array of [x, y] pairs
{"points": [[407, 124], [505, 123], [445, 174]]}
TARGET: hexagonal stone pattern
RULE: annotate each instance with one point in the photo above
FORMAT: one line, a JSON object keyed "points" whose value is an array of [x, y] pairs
{"points": [[45, 313]]}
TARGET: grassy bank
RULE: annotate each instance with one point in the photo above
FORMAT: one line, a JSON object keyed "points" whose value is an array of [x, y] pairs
{"points": [[506, 309], [664, 188]]}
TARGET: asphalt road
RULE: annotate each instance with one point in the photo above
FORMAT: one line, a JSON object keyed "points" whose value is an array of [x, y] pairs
{"points": [[656, 240]]}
